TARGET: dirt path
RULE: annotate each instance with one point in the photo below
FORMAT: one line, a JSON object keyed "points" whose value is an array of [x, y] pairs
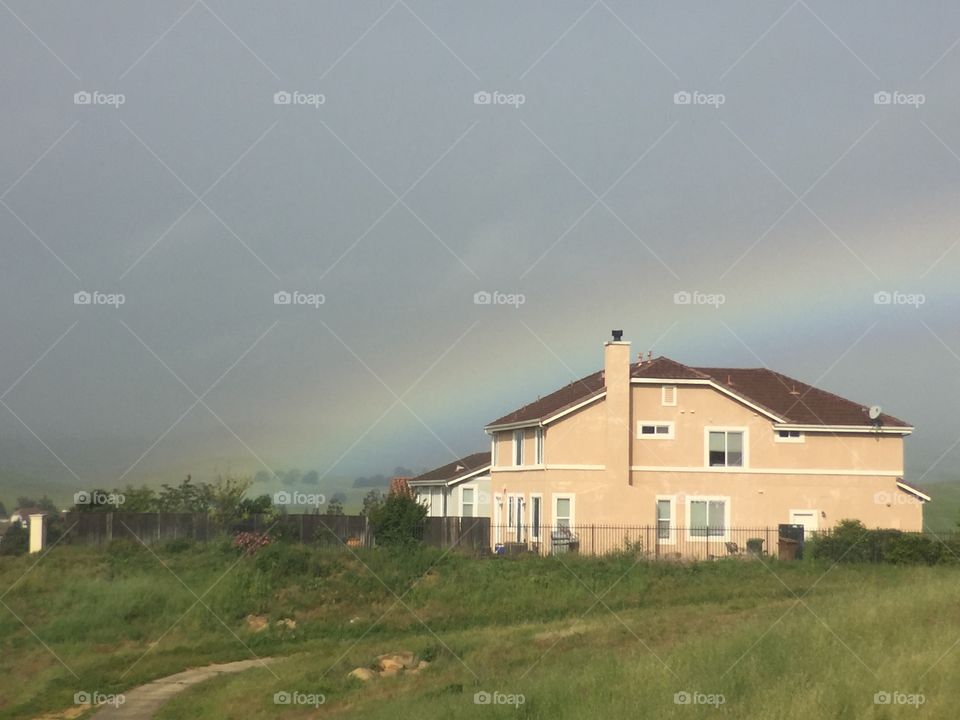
{"points": [[143, 702]]}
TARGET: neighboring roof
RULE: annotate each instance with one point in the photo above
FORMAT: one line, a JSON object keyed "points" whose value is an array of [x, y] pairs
{"points": [[791, 400], [28, 511], [453, 471]]}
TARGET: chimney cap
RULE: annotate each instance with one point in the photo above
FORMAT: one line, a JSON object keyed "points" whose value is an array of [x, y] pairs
{"points": [[617, 335]]}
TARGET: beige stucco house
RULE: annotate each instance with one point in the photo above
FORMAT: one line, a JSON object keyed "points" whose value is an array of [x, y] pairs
{"points": [[697, 451]]}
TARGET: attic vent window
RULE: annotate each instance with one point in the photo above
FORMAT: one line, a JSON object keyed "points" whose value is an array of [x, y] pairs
{"points": [[794, 436], [668, 395]]}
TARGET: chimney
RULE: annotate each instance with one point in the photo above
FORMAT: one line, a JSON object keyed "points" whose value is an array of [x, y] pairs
{"points": [[616, 375]]}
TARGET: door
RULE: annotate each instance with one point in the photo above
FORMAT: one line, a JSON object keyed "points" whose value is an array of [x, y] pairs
{"points": [[515, 507], [810, 519]]}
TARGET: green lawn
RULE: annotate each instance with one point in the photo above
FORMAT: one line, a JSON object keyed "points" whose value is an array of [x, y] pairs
{"points": [[575, 637]]}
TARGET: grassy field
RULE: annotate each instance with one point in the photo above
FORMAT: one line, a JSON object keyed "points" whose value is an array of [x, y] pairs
{"points": [[575, 637]]}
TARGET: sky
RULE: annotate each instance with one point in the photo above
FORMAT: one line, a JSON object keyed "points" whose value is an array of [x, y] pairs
{"points": [[790, 169]]}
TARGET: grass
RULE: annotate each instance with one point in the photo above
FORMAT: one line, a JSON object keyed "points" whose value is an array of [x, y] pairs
{"points": [[575, 636]]}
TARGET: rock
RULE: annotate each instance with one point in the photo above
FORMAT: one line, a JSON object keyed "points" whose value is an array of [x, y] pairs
{"points": [[362, 674], [403, 660], [286, 624], [420, 666], [257, 623], [390, 671]]}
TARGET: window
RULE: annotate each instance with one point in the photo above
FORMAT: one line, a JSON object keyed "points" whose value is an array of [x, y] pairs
{"points": [[563, 511], [725, 448], [708, 517], [467, 498], [794, 436], [518, 447], [654, 430], [536, 506], [664, 518], [668, 395], [538, 437]]}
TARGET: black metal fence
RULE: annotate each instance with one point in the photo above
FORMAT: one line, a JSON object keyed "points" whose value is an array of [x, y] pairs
{"points": [[329, 531], [655, 542]]}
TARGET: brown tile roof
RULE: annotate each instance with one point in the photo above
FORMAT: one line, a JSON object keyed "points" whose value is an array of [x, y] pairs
{"points": [[456, 469], [794, 401]]}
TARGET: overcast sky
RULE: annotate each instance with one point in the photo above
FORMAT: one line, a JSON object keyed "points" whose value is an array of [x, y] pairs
{"points": [[782, 163]]}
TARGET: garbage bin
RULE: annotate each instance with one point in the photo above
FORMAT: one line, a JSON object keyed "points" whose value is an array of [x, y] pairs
{"points": [[788, 549], [755, 547], [794, 532], [563, 541]]}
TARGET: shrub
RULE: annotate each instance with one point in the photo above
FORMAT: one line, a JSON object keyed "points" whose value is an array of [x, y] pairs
{"points": [[398, 520], [850, 541], [15, 541], [283, 560]]}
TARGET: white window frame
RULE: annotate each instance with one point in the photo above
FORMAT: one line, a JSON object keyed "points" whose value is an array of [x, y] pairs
{"points": [[726, 429], [663, 395], [801, 436], [671, 538], [656, 436], [518, 447], [572, 497], [474, 504], [690, 499], [538, 446], [536, 531]]}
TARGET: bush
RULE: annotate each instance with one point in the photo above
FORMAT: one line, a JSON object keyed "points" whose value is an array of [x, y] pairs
{"points": [[249, 542], [16, 541], [398, 520], [283, 560], [850, 541]]}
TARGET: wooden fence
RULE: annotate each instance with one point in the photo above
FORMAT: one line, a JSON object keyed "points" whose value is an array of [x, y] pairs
{"points": [[329, 531]]}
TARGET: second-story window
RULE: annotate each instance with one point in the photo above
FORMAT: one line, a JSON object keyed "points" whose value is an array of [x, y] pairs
{"points": [[538, 437], [726, 448], [518, 447]]}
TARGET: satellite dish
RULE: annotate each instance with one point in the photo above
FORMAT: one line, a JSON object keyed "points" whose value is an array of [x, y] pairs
{"points": [[875, 411]]}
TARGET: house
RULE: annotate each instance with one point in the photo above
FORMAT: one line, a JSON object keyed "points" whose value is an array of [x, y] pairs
{"points": [[688, 450], [459, 488], [22, 515]]}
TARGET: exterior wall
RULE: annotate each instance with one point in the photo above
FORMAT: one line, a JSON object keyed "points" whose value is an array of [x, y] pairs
{"points": [[837, 476], [482, 505]]}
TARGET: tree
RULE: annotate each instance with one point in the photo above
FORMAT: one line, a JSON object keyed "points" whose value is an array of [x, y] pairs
{"points": [[43, 503], [260, 505], [311, 478], [186, 497], [398, 520], [225, 496], [15, 541], [334, 507], [3, 510], [371, 501]]}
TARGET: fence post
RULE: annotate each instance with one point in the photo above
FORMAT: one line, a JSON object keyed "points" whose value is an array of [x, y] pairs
{"points": [[109, 527]]}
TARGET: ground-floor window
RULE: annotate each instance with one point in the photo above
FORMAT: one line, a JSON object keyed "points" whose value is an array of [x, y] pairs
{"points": [[536, 503], [467, 501], [707, 517], [563, 511], [665, 521]]}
